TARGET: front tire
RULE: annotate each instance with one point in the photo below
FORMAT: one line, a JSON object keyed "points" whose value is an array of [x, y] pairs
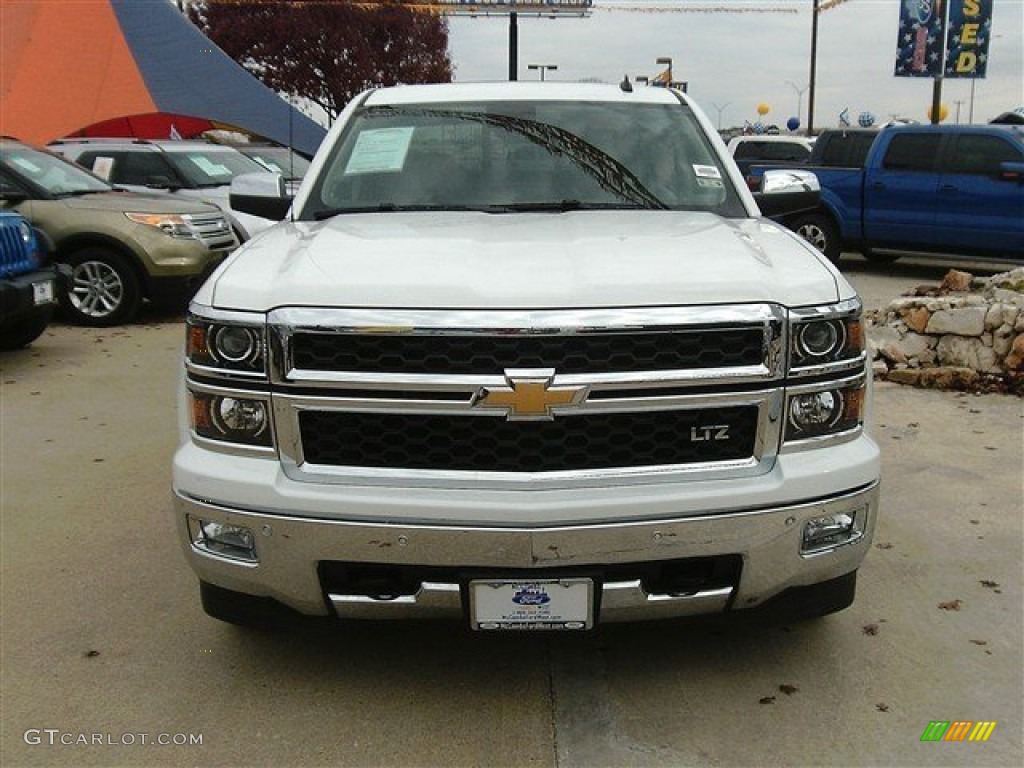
{"points": [[104, 289], [820, 231], [20, 334]]}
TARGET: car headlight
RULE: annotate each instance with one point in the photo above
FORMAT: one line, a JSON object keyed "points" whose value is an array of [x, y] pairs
{"points": [[172, 224]]}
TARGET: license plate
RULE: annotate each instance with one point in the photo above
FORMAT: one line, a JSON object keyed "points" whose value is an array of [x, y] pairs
{"points": [[42, 293], [504, 604]]}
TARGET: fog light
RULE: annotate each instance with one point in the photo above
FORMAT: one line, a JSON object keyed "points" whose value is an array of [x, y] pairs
{"points": [[223, 539], [831, 531]]}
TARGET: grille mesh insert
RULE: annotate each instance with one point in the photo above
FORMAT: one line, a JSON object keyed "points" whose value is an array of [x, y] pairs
{"points": [[491, 444], [487, 355]]}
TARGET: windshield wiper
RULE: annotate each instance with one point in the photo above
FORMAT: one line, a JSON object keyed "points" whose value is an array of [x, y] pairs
{"points": [[562, 206], [393, 208]]}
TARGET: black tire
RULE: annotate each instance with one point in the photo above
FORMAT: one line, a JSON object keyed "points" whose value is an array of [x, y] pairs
{"points": [[819, 230], [247, 610], [104, 288], [22, 333]]}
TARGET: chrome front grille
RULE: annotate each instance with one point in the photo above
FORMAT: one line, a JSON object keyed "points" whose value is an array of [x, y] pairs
{"points": [[486, 354], [493, 398], [211, 229]]}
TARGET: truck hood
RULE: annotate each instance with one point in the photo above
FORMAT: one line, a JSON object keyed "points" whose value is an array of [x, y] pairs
{"points": [[523, 260]]}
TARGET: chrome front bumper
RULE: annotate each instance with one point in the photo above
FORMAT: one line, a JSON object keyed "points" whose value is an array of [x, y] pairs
{"points": [[289, 550]]}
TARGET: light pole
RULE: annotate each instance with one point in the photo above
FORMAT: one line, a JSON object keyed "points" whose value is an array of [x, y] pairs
{"points": [[543, 68], [720, 109], [814, 67], [799, 99]]}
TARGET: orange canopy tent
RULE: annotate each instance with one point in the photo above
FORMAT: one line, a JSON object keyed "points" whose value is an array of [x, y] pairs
{"points": [[136, 68]]}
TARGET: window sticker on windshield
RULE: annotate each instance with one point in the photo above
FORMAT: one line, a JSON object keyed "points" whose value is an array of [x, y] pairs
{"points": [[713, 183], [209, 167], [707, 172], [26, 165], [102, 166], [379, 151]]}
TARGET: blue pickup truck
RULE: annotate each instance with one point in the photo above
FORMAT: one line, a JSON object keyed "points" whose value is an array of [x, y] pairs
{"points": [[956, 189]]}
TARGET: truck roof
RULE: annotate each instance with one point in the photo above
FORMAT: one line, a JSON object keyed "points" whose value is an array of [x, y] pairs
{"points": [[522, 91]]}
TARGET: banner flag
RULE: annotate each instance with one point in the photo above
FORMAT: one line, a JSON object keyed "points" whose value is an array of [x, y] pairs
{"points": [[970, 28], [919, 46]]}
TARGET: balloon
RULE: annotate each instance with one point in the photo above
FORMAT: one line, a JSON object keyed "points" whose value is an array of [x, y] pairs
{"points": [[943, 112], [763, 109], [793, 123], [758, 127], [865, 119]]}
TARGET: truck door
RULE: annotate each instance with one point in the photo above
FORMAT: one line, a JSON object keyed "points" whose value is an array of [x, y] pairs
{"points": [[900, 192], [977, 208]]}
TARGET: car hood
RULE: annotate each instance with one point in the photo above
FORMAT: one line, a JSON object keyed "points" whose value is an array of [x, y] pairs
{"points": [[134, 202], [524, 260]]}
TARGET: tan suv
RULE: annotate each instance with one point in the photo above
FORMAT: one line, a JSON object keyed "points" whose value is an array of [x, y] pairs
{"points": [[122, 247]]}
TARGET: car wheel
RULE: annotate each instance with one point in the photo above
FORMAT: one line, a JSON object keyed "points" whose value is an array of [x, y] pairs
{"points": [[104, 288], [821, 232], [21, 334]]}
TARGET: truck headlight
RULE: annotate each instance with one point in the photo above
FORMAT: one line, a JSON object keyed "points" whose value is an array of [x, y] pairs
{"points": [[226, 345], [825, 410], [230, 418], [826, 338]]}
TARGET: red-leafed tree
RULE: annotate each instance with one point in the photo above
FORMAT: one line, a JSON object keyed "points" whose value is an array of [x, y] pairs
{"points": [[327, 51]]}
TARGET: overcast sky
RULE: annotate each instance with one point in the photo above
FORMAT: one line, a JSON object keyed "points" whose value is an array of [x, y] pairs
{"points": [[737, 60]]}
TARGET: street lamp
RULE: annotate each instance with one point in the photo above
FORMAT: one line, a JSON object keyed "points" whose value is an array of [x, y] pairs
{"points": [[799, 99], [543, 68], [720, 109]]}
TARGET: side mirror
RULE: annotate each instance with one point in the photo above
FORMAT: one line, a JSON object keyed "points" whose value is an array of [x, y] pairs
{"points": [[1010, 171], [785, 192], [260, 194]]}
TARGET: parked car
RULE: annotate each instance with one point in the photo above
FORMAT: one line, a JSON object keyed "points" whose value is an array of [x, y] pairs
{"points": [[277, 159], [789, 150], [195, 170], [952, 189], [29, 288], [833, 148], [122, 247]]}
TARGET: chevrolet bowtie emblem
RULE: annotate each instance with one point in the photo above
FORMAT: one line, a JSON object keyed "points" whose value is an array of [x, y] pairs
{"points": [[529, 396]]}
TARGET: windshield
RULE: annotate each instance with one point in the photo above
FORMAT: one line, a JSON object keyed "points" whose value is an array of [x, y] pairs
{"points": [[500, 156], [212, 168], [54, 174], [281, 160]]}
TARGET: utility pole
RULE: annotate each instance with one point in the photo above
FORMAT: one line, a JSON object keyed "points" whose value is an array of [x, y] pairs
{"points": [[814, 67]]}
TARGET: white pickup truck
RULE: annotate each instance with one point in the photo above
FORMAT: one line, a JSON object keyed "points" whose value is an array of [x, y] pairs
{"points": [[527, 355]]}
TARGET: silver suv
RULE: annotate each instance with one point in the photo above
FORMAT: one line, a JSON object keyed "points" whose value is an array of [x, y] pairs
{"points": [[192, 169]]}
